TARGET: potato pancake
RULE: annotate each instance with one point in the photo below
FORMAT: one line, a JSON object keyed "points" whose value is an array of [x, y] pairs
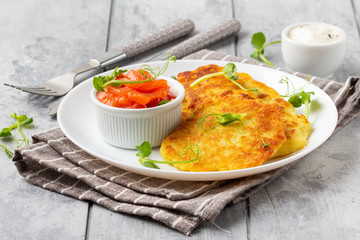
{"points": [[242, 144], [269, 119], [296, 127]]}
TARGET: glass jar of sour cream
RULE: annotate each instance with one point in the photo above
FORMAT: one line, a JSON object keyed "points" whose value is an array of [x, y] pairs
{"points": [[313, 48]]}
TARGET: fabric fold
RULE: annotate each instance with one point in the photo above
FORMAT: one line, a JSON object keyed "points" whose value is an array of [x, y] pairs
{"points": [[53, 162]]}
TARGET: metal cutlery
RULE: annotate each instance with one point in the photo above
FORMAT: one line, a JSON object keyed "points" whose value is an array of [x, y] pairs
{"points": [[201, 40], [193, 44], [60, 85]]}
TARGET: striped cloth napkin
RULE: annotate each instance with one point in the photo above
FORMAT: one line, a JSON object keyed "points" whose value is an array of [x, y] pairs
{"points": [[53, 162]]}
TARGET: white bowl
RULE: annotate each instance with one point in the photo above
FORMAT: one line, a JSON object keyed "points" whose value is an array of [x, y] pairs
{"points": [[318, 59], [127, 128]]}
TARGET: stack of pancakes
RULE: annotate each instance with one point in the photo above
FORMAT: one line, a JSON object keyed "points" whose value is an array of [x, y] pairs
{"points": [[270, 126]]}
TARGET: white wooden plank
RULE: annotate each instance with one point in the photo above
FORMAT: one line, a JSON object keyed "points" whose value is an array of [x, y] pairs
{"points": [[131, 19], [41, 39], [318, 197], [270, 17], [356, 9]]}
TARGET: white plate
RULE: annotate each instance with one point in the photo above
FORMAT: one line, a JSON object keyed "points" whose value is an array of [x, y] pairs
{"points": [[76, 118]]}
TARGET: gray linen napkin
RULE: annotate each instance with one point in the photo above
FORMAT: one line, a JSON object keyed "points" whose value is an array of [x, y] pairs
{"points": [[53, 162]]}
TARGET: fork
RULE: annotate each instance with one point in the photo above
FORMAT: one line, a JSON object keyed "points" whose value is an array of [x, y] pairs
{"points": [[57, 86], [192, 44], [60, 85]]}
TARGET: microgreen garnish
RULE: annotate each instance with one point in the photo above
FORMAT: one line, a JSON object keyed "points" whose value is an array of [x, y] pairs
{"points": [[101, 82], [258, 41], [155, 72], [163, 102], [195, 149], [228, 71], [21, 120], [8, 152], [144, 151], [223, 119], [264, 145], [298, 97], [173, 77]]}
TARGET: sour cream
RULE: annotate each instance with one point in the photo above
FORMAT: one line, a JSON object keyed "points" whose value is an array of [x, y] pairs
{"points": [[315, 34]]}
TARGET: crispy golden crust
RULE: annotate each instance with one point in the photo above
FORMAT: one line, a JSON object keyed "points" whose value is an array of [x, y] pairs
{"points": [[269, 119], [296, 127], [238, 145]]}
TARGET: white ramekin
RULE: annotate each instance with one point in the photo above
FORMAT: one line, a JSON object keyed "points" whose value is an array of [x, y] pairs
{"points": [[320, 59], [127, 128]]}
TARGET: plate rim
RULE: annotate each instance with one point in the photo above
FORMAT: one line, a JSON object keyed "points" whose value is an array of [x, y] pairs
{"points": [[182, 175]]}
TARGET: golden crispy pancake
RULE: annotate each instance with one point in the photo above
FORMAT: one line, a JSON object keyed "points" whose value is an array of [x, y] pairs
{"points": [[240, 144], [235, 146], [296, 127]]}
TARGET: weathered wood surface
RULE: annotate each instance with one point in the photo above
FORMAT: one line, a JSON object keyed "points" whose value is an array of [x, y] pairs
{"points": [[125, 26], [40, 40], [317, 199]]}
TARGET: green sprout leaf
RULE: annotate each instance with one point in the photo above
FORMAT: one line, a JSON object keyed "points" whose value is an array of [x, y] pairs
{"points": [[306, 96], [223, 119], [98, 83], [229, 71], [101, 82], [163, 102], [21, 120], [5, 132], [298, 97], [147, 163], [144, 150], [228, 118], [295, 100], [258, 42], [264, 145], [255, 54]]}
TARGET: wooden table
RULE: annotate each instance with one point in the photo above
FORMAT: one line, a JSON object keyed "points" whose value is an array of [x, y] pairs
{"points": [[318, 198]]}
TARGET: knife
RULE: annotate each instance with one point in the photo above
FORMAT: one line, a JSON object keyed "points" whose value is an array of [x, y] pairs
{"points": [[60, 85], [195, 43], [201, 40], [151, 40]]}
